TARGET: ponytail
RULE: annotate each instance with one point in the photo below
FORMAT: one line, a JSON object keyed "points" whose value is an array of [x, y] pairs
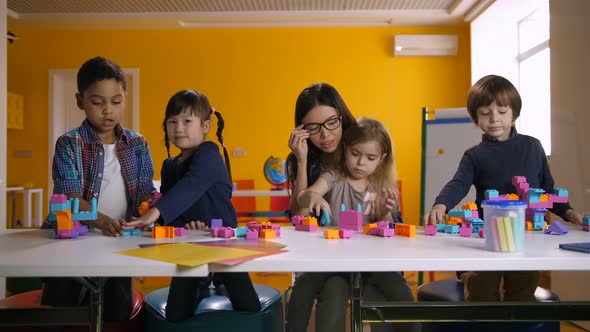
{"points": [[220, 126]]}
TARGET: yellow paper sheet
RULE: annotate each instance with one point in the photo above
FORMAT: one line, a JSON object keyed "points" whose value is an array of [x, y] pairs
{"points": [[187, 254]]}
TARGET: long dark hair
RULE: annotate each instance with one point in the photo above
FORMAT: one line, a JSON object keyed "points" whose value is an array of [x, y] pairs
{"points": [[198, 104], [315, 95]]}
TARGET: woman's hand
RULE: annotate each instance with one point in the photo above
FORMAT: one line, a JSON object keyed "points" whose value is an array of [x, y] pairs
{"points": [[298, 142], [149, 217], [196, 225]]}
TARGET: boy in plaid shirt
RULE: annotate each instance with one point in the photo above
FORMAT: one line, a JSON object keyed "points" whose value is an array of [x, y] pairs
{"points": [[104, 160]]}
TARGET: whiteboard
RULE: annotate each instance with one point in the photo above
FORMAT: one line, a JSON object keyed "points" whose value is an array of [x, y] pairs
{"points": [[447, 138]]}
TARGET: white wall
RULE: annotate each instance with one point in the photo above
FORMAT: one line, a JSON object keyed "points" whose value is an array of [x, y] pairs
{"points": [[570, 117]]}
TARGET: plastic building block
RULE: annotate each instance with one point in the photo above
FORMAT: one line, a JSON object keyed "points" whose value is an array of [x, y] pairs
{"points": [[216, 223], [440, 227], [331, 234], [482, 233], [251, 234], [351, 219], [143, 208], [405, 230], [430, 229], [308, 224], [586, 228], [470, 206], [385, 232], [367, 228], [466, 230], [65, 212], [267, 233], [277, 229], [586, 220], [241, 231], [460, 213], [557, 228], [345, 233], [454, 221], [163, 232], [296, 220], [226, 232], [451, 229], [491, 194], [179, 231], [325, 218], [253, 225]]}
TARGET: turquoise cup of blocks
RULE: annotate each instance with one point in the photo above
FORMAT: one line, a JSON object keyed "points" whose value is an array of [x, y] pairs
{"points": [[504, 225]]}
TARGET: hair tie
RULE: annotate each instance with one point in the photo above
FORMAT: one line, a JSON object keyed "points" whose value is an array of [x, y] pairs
{"points": [[212, 110]]}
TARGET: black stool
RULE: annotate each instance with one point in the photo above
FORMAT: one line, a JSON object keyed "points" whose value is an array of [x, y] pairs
{"points": [[452, 290]]}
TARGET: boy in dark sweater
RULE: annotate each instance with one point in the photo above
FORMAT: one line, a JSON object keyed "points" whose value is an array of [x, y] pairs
{"points": [[494, 105]]}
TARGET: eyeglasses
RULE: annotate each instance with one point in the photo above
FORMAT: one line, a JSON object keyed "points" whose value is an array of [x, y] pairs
{"points": [[330, 124]]}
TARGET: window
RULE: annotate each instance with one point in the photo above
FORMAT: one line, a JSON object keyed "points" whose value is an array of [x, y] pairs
{"points": [[511, 38]]}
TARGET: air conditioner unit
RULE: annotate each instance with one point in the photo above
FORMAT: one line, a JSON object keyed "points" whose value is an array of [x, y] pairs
{"points": [[425, 45]]}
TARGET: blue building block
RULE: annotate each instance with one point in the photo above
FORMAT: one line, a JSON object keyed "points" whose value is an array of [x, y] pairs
{"points": [[460, 213], [586, 220], [451, 229], [561, 192], [241, 231], [491, 193], [440, 227], [534, 195]]}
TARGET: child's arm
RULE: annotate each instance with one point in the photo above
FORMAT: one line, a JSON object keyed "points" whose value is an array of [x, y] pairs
{"points": [[108, 225], [312, 200], [436, 215], [147, 218], [574, 216], [298, 146]]}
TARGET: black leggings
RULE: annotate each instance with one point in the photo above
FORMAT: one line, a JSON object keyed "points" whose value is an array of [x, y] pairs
{"points": [[187, 292], [65, 292]]}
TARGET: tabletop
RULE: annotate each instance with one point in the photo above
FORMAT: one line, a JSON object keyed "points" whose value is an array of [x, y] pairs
{"points": [[265, 193], [36, 253]]}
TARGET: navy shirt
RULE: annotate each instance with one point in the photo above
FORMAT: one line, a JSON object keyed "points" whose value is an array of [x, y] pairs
{"points": [[196, 189], [492, 164]]}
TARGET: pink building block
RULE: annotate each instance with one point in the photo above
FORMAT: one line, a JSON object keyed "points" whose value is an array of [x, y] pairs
{"points": [[351, 219], [226, 232], [58, 199], [179, 231], [466, 230], [482, 233], [214, 231], [277, 230], [251, 234], [345, 233], [253, 225], [430, 229], [296, 220], [557, 199], [385, 232]]}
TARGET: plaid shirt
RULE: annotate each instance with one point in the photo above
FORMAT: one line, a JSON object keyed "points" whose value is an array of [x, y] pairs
{"points": [[78, 164]]}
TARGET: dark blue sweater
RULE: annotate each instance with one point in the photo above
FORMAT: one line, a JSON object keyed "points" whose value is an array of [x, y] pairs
{"points": [[196, 189], [492, 164]]}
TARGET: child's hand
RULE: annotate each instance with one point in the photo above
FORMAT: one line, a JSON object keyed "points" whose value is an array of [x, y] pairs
{"points": [[196, 225], [387, 202], [110, 227], [298, 142], [317, 203], [436, 215], [146, 219], [574, 216]]}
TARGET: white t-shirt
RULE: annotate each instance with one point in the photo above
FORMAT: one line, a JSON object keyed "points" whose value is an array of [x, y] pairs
{"points": [[113, 195]]}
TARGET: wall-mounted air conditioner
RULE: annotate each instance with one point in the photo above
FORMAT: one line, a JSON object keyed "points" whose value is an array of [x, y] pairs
{"points": [[425, 45]]}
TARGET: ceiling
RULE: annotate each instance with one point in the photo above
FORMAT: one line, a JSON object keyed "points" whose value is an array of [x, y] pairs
{"points": [[227, 13]]}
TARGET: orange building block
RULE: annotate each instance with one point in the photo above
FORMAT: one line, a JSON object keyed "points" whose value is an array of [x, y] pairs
{"points": [[529, 225], [64, 219], [454, 221], [163, 232], [143, 208], [405, 230], [544, 198], [267, 233], [331, 234], [513, 197], [368, 227], [469, 206], [310, 221]]}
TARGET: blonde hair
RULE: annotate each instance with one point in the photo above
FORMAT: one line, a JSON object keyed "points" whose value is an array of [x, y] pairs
{"points": [[366, 130]]}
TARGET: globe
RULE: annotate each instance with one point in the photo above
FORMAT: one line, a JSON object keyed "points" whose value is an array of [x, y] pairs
{"points": [[274, 171]]}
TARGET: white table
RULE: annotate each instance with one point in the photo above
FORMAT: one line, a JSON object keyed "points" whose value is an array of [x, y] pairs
{"points": [[34, 253]]}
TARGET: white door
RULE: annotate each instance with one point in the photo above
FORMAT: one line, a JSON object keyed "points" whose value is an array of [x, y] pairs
{"points": [[65, 115]]}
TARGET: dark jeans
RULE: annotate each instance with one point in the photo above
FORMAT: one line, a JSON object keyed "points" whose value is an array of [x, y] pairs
{"points": [[64, 292], [187, 292], [498, 285]]}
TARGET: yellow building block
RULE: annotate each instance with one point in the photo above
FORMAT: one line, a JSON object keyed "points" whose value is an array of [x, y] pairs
{"points": [[267, 234]]}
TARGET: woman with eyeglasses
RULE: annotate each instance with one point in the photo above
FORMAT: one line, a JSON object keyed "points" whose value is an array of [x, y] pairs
{"points": [[321, 116]]}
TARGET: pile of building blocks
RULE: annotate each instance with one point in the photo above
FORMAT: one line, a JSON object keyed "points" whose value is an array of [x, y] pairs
{"points": [[537, 202], [305, 224], [586, 223], [381, 228], [464, 221], [67, 215], [253, 230], [168, 232]]}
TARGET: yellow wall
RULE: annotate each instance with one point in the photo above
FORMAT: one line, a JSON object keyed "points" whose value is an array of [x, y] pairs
{"points": [[253, 77]]}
